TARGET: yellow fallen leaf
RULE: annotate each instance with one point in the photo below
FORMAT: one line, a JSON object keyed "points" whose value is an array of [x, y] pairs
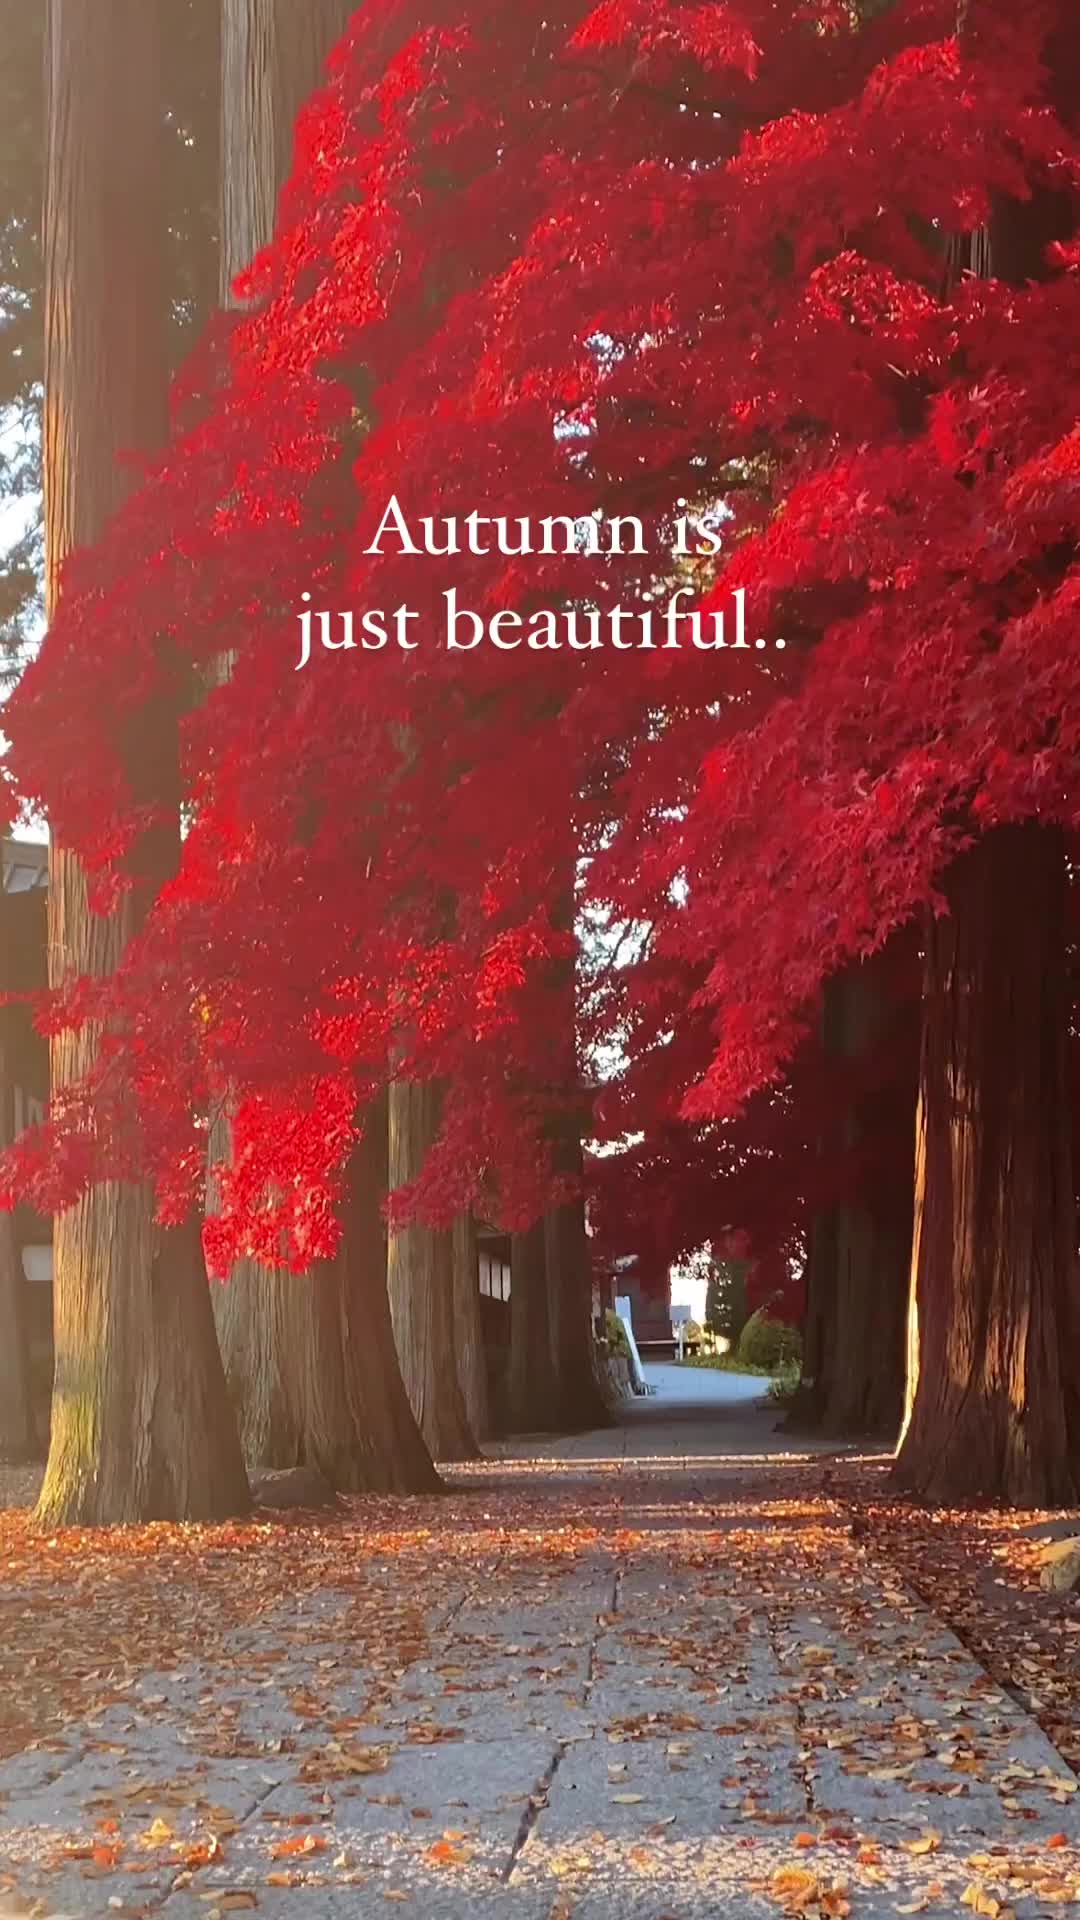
{"points": [[793, 1883], [929, 1842], [980, 1901], [627, 1799]]}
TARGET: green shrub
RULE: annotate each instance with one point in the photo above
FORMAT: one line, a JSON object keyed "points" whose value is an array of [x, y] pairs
{"points": [[768, 1343], [616, 1333], [692, 1332], [726, 1311], [784, 1384]]}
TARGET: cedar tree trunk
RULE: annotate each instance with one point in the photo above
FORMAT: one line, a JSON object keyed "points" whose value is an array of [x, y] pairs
{"points": [[307, 1386], [860, 1252], [531, 1394], [272, 57], [864, 1378], [311, 1360], [579, 1400], [141, 1424], [420, 1275], [468, 1329], [992, 1405]]}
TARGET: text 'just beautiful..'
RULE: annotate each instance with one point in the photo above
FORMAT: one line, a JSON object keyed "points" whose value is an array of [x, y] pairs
{"points": [[579, 628]]}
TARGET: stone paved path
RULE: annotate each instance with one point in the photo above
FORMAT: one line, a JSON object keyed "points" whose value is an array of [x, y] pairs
{"points": [[644, 1673]]}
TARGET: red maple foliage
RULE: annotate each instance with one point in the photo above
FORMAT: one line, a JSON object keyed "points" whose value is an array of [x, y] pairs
{"points": [[568, 260]]}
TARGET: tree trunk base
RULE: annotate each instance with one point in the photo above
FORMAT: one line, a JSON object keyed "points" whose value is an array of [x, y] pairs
{"points": [[420, 1278], [310, 1357], [141, 1426], [994, 1352]]}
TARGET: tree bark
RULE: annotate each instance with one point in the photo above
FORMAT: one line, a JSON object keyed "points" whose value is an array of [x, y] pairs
{"points": [[819, 1321], [532, 1402], [310, 1358], [272, 57], [317, 1381], [420, 1272], [864, 1381], [468, 1330], [859, 1254], [141, 1424], [992, 1404], [579, 1399]]}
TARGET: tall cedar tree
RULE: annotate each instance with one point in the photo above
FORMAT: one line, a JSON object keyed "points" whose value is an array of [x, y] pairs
{"points": [[141, 1423], [308, 1388], [666, 256]]}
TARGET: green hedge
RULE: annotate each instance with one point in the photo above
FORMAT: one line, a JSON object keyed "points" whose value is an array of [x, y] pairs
{"points": [[768, 1343], [616, 1333]]}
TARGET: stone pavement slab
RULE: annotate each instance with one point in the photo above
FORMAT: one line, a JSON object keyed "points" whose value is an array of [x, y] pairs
{"points": [[636, 1673]]}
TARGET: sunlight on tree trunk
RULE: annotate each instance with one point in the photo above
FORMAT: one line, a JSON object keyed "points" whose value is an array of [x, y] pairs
{"points": [[420, 1271], [992, 1406], [273, 53], [310, 1357], [141, 1424]]}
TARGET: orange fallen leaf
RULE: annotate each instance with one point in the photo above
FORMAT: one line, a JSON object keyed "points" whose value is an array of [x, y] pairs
{"points": [[300, 1843], [445, 1853]]}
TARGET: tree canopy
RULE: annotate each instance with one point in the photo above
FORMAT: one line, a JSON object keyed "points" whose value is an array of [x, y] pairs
{"points": [[619, 260]]}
